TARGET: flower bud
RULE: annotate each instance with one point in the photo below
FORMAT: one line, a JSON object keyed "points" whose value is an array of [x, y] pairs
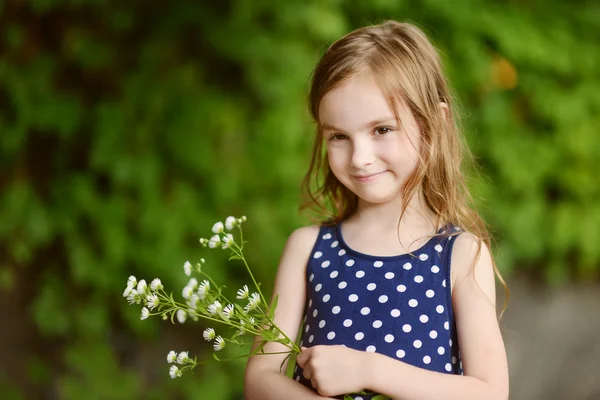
{"points": [[218, 227]]}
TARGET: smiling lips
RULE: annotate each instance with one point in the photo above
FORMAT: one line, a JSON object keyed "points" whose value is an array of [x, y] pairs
{"points": [[367, 178]]}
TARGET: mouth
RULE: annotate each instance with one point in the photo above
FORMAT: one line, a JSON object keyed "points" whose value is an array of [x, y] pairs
{"points": [[367, 178]]}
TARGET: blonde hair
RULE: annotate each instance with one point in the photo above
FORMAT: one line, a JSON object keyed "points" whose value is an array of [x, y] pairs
{"points": [[407, 67]]}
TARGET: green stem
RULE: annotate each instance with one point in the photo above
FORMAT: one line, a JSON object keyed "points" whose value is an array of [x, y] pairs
{"points": [[239, 253], [242, 356], [177, 306], [241, 237]]}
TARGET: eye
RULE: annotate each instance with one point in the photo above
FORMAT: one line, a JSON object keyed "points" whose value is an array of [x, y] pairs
{"points": [[337, 137], [382, 130]]}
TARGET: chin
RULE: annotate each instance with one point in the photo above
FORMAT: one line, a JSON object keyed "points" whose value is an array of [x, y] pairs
{"points": [[378, 193], [377, 198]]}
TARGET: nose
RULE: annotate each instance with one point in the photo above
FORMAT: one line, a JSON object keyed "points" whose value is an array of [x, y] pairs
{"points": [[362, 154]]}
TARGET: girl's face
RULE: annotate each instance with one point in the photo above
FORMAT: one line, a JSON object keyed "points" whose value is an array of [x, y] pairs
{"points": [[368, 151]]}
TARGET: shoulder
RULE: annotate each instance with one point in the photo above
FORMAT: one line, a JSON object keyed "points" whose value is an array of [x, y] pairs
{"points": [[302, 240], [471, 257], [305, 236]]}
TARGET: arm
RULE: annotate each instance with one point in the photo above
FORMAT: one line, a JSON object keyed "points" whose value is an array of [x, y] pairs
{"points": [[263, 380], [481, 346]]}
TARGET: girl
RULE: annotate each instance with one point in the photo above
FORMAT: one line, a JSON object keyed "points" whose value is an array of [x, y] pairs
{"points": [[393, 294]]}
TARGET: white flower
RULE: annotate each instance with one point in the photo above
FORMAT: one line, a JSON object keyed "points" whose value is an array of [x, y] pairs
{"points": [[252, 302], [187, 268], [181, 316], [141, 286], [156, 284], [182, 358], [171, 357], [244, 326], [209, 334], [227, 240], [187, 292], [228, 311], [127, 291], [152, 301], [218, 227], [193, 283], [132, 281], [242, 293], [214, 307], [134, 297], [214, 242], [174, 372], [203, 289], [230, 223], [219, 343], [145, 313], [193, 302]]}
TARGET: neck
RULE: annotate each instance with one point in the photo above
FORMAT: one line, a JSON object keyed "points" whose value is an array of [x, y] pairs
{"points": [[386, 216]]}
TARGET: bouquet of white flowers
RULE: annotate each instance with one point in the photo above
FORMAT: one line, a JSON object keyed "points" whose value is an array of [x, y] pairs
{"points": [[206, 300]]}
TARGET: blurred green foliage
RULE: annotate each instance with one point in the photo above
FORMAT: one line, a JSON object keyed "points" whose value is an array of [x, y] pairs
{"points": [[128, 128]]}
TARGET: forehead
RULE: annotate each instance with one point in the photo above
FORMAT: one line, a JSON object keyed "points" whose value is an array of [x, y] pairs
{"points": [[355, 103]]}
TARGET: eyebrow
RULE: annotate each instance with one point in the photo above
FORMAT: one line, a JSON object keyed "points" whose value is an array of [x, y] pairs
{"points": [[372, 124]]}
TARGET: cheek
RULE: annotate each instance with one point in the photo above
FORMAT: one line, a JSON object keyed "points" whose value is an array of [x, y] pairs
{"points": [[405, 150], [336, 157]]}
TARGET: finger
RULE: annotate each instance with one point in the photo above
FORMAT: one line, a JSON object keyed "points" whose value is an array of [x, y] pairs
{"points": [[307, 372], [303, 357], [314, 384]]}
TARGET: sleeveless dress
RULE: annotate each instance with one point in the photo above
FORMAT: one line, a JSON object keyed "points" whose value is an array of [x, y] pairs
{"points": [[399, 306]]}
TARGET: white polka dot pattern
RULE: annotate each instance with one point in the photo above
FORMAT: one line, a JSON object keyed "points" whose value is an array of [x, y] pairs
{"points": [[398, 306]]}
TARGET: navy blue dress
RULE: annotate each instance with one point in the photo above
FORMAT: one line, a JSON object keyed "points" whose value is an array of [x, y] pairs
{"points": [[399, 306]]}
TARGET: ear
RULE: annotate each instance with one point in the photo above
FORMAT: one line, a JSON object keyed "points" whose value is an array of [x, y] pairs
{"points": [[445, 110]]}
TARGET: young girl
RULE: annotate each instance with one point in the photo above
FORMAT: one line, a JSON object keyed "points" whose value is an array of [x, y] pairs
{"points": [[394, 294]]}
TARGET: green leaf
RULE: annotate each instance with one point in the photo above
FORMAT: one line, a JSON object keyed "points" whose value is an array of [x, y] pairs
{"points": [[267, 335], [215, 356], [259, 348], [271, 312]]}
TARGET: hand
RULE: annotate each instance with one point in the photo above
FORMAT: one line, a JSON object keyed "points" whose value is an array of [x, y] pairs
{"points": [[335, 370]]}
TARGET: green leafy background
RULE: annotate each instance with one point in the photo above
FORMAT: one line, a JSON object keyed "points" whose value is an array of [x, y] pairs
{"points": [[128, 127]]}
